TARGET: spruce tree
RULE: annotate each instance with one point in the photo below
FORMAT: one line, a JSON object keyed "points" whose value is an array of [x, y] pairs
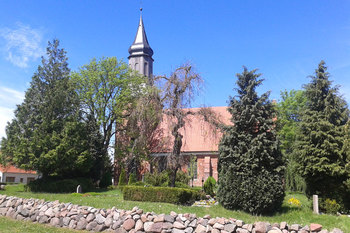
{"points": [[320, 141], [47, 133], [250, 167]]}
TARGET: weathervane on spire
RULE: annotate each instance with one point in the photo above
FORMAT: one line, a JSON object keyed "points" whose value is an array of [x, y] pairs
{"points": [[141, 7]]}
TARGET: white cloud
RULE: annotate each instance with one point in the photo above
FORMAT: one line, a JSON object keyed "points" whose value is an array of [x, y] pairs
{"points": [[23, 44], [9, 98], [6, 114]]}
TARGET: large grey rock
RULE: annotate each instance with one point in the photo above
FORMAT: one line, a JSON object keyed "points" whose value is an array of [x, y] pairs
{"points": [[108, 222], [230, 227], [81, 225], [43, 219], [295, 227], [193, 223], [336, 230], [179, 225], [66, 221], [200, 229], [100, 219], [120, 230], [175, 230], [55, 222], [218, 226], [90, 217], [91, 225], [139, 225], [100, 227], [169, 218], [239, 223]]}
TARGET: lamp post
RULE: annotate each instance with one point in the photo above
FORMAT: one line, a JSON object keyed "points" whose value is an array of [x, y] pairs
{"points": [[202, 181]]}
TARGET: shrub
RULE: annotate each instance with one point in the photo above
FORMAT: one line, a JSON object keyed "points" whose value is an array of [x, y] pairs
{"points": [[182, 177], [210, 186], [132, 179], [160, 194], [157, 179], [55, 185], [106, 179], [139, 183], [329, 206], [122, 178], [162, 179]]}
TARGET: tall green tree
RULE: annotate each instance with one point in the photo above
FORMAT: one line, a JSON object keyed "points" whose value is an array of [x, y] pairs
{"points": [[47, 134], [321, 137], [289, 109], [108, 91], [250, 165]]}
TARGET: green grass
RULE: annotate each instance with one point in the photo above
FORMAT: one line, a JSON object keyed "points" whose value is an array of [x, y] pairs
{"points": [[302, 215], [8, 225]]}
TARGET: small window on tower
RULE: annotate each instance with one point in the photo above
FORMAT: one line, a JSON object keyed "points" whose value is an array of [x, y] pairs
{"points": [[136, 66], [145, 68]]}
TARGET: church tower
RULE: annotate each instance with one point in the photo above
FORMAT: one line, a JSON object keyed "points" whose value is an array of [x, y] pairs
{"points": [[140, 58]]}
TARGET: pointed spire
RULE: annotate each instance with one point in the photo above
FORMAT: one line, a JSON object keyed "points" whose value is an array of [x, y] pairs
{"points": [[140, 46]]}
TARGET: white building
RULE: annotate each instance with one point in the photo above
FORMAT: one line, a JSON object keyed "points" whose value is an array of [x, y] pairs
{"points": [[11, 174]]}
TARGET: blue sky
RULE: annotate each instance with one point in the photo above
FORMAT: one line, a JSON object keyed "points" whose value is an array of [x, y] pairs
{"points": [[285, 40]]}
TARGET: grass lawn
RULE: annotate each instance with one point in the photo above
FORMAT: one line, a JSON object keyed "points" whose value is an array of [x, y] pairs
{"points": [[302, 215], [8, 225]]}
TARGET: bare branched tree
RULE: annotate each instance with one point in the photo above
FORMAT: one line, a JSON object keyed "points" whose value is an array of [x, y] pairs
{"points": [[179, 91]]}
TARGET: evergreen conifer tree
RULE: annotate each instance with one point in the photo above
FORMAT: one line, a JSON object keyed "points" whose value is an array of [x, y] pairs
{"points": [[250, 167], [47, 134], [320, 141]]}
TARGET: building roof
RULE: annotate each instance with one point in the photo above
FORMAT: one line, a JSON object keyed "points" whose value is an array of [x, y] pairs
{"points": [[198, 135], [140, 47], [13, 169]]}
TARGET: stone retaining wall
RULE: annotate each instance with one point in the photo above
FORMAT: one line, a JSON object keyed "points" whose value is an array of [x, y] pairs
{"points": [[92, 219]]}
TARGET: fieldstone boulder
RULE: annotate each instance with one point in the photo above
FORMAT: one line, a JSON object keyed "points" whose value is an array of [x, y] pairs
{"points": [[315, 227], [129, 224]]}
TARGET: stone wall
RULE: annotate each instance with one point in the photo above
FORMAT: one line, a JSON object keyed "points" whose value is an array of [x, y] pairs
{"points": [[92, 219]]}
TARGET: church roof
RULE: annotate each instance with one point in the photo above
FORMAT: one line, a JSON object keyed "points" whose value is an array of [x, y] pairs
{"points": [[140, 47]]}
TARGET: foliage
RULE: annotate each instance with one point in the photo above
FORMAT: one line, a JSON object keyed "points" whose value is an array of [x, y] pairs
{"points": [[320, 142], [141, 133], [160, 194], [55, 185], [122, 178], [289, 109], [47, 134], [178, 93], [108, 91], [132, 179], [106, 179], [162, 179], [294, 202], [251, 167], [157, 179], [210, 186], [182, 177], [329, 206]]}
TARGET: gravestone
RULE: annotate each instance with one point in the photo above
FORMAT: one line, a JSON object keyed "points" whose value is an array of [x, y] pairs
{"points": [[79, 189], [315, 204]]}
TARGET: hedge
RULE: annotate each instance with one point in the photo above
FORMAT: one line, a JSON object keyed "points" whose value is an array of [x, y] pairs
{"points": [[161, 194], [53, 185]]}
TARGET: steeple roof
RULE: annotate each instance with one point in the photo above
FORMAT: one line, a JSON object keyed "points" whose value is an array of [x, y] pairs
{"points": [[140, 47]]}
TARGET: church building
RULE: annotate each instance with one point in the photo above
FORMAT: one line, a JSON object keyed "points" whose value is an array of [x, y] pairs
{"points": [[199, 139]]}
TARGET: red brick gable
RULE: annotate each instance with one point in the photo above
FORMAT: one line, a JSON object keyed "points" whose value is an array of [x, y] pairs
{"points": [[198, 135]]}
